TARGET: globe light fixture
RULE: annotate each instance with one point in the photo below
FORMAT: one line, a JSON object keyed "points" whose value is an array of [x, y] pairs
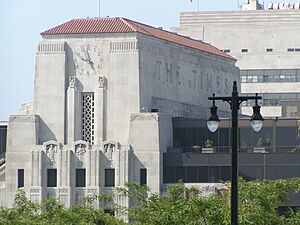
{"points": [[213, 121], [256, 119]]}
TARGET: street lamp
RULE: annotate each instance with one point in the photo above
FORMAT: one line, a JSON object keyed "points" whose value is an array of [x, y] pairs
{"points": [[213, 123]]}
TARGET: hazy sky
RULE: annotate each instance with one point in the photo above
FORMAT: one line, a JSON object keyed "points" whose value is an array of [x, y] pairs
{"points": [[22, 21]]}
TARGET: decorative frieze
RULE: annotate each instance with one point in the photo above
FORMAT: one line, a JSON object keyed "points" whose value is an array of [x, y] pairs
{"points": [[51, 47], [123, 45]]}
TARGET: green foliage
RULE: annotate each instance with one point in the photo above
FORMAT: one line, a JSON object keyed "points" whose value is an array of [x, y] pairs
{"points": [[295, 149], [260, 142], [53, 212], [258, 204], [209, 143], [196, 148]]}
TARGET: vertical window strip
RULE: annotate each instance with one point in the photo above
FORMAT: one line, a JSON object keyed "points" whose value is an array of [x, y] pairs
{"points": [[88, 117]]}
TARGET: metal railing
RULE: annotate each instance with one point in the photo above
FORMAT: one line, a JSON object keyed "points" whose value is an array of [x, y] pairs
{"points": [[241, 149]]}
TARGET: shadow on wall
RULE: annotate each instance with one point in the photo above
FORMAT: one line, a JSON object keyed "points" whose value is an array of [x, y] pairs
{"points": [[45, 133]]}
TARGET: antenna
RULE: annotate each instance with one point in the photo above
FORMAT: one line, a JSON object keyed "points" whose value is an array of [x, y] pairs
{"points": [[197, 5], [99, 9]]}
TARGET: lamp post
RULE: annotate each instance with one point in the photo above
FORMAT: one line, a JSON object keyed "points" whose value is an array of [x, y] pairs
{"points": [[213, 122]]}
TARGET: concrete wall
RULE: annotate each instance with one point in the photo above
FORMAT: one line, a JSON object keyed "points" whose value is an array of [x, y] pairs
{"points": [[22, 136], [256, 31], [178, 80], [115, 60], [49, 90], [150, 135]]}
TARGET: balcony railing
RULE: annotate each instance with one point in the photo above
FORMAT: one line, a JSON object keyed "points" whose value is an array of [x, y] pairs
{"points": [[241, 149]]}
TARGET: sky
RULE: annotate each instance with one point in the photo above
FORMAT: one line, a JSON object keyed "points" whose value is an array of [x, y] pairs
{"points": [[22, 21]]}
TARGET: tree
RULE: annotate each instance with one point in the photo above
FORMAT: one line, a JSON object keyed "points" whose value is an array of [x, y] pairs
{"points": [[51, 211], [258, 204]]}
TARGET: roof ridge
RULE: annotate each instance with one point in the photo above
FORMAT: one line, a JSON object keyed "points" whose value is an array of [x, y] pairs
{"points": [[128, 24], [124, 25]]}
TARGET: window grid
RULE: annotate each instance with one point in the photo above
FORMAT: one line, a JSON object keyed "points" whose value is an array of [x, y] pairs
{"points": [[88, 117], [258, 76]]}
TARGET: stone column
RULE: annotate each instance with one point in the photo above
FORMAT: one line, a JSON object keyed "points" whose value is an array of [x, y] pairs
{"points": [[63, 167], [36, 173], [92, 174], [74, 109], [100, 109]]}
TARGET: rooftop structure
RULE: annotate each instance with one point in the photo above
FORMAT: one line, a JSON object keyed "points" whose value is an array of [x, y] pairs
{"points": [[266, 45]]}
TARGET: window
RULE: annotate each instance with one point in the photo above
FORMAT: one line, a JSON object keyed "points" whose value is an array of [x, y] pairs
{"points": [[109, 177], [290, 49], [20, 178], [88, 117], [269, 50], [244, 50], [192, 174], [243, 79], [226, 50], [109, 211], [143, 177], [297, 49], [51, 178], [80, 178]]}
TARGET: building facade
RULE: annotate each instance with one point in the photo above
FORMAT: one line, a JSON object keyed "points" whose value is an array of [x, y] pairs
{"points": [[104, 96], [266, 44], [3, 136]]}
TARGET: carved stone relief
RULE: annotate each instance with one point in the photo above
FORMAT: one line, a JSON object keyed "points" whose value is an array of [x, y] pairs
{"points": [[101, 82], [109, 148], [80, 147], [51, 148], [72, 81]]}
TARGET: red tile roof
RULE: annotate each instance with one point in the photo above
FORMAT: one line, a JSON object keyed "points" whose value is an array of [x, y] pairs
{"points": [[122, 25]]}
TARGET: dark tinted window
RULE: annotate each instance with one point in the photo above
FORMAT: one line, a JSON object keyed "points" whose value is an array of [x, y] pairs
{"points": [[20, 178], [80, 178], [202, 174], [51, 178], [109, 211], [169, 175], [109, 177], [214, 175], [3, 133], [143, 176], [192, 174], [225, 173]]}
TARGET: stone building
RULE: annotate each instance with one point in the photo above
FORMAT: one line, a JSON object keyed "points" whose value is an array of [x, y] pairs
{"points": [[266, 44], [105, 92]]}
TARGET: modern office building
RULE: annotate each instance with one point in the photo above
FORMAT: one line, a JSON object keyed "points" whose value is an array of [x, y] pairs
{"points": [[105, 93], [272, 153], [265, 41]]}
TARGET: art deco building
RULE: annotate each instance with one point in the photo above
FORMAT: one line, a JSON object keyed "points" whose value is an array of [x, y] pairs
{"points": [[105, 93]]}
